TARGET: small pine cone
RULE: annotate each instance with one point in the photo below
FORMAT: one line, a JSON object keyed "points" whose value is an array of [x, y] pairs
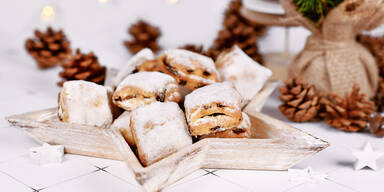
{"points": [[350, 113], [83, 67], [237, 31], [301, 103], [49, 48], [193, 48], [144, 36], [376, 125]]}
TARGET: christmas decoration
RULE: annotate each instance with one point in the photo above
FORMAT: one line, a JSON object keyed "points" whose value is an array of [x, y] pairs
{"points": [[144, 36], [366, 158], [376, 46], [47, 154], [237, 31], [83, 67], [316, 9], [48, 48], [301, 103], [350, 113], [376, 125], [307, 175], [332, 60]]}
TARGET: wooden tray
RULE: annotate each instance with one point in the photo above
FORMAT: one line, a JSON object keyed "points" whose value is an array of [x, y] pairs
{"points": [[275, 145]]}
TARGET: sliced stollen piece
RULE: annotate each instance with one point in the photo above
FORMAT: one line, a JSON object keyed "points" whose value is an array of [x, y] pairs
{"points": [[141, 57], [159, 129], [213, 108], [247, 76], [144, 88], [243, 130], [123, 125], [84, 102], [190, 69]]}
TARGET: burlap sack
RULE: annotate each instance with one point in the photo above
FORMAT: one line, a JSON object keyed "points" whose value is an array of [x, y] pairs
{"points": [[332, 60]]}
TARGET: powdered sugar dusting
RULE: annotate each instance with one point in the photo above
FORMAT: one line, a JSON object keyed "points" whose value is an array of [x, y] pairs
{"points": [[160, 130], [184, 57], [148, 81], [217, 92], [245, 123], [247, 75], [85, 103], [138, 59]]}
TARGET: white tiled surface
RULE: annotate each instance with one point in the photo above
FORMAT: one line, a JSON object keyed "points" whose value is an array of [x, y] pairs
{"points": [[24, 88]]}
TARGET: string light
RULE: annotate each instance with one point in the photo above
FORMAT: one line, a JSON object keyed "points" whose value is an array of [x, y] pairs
{"points": [[172, 1], [48, 13], [103, 1]]}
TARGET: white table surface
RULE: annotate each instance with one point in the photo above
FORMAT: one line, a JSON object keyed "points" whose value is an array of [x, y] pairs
{"points": [[25, 88]]}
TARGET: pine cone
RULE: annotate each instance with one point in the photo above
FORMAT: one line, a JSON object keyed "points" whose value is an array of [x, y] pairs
{"points": [[350, 113], [376, 125], [376, 46], [144, 36], [49, 48], [301, 103], [83, 67], [237, 31], [193, 48]]}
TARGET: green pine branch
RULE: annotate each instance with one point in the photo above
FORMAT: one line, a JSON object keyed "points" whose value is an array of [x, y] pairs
{"points": [[316, 9]]}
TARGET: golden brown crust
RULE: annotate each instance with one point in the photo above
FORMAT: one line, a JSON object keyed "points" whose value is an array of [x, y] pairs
{"points": [[231, 133], [190, 78], [243, 130], [213, 118], [131, 97]]}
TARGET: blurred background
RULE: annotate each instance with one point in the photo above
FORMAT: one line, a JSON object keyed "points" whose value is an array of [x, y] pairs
{"points": [[101, 25]]}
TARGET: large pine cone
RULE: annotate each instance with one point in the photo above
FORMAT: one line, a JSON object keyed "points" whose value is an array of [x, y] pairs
{"points": [[144, 36], [350, 113], [83, 67], [49, 48], [301, 103], [237, 31]]}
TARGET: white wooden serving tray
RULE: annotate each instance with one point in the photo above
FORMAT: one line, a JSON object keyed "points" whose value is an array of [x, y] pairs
{"points": [[275, 145]]}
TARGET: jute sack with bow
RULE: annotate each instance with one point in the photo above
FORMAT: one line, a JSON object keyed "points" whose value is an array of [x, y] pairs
{"points": [[332, 60]]}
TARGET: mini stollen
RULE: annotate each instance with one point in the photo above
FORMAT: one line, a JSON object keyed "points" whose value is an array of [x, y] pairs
{"points": [[190, 69], [132, 64], [123, 125], [213, 108], [143, 88], [84, 102], [247, 76], [159, 129]]}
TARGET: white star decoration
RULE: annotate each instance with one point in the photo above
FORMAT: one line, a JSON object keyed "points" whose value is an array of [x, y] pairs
{"points": [[47, 154], [307, 175], [366, 158]]}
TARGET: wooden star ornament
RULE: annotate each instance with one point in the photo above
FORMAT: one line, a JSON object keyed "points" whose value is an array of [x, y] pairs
{"points": [[367, 157]]}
